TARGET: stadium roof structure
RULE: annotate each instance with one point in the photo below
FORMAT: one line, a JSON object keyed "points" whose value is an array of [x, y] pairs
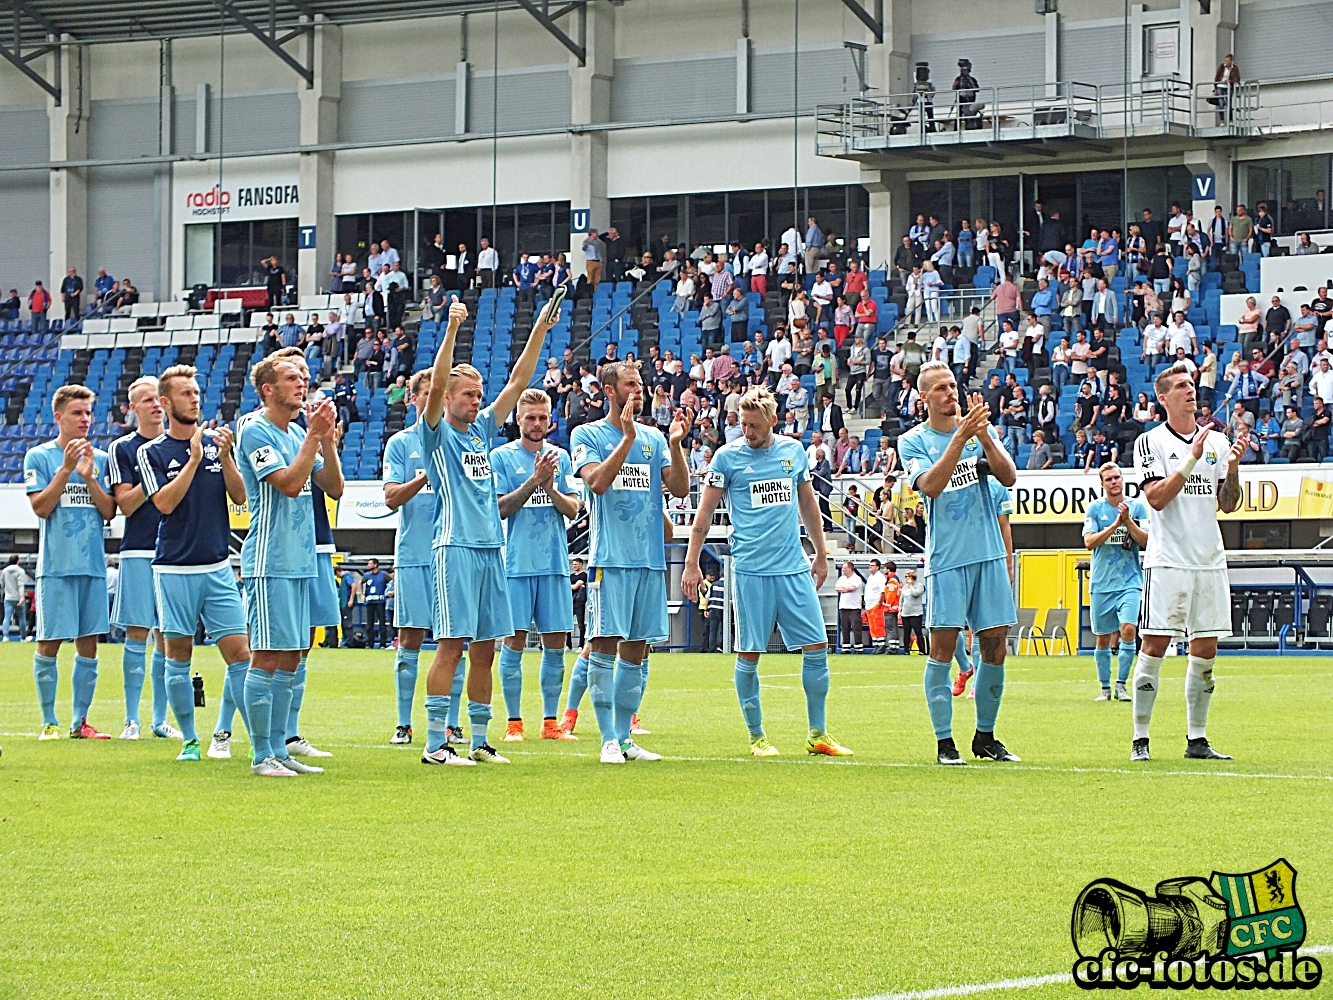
{"points": [[35, 28]]}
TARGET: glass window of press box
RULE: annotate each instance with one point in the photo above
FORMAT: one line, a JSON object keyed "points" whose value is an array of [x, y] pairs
{"points": [[231, 254], [1294, 189], [659, 223]]}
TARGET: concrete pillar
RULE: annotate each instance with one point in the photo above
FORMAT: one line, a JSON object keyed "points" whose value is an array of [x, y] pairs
{"points": [[889, 65], [1207, 37], [1211, 161], [1052, 26], [68, 185], [590, 104], [888, 213], [319, 126]]}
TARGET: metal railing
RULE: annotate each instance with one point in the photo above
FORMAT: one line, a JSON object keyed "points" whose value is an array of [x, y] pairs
{"points": [[1070, 109]]}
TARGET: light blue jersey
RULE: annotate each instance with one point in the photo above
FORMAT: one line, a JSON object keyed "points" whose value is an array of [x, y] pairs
{"points": [[281, 539], [535, 543], [70, 540], [1004, 503], [1116, 565], [460, 473], [962, 526], [404, 460], [760, 487], [625, 523]]}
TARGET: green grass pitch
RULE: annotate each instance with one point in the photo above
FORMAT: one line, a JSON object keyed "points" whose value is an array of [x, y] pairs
{"points": [[711, 874]]}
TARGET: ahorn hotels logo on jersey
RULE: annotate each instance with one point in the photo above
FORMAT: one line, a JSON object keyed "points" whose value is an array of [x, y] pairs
{"points": [[218, 201]]}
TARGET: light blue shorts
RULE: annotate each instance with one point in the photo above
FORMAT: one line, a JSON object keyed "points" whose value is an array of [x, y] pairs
{"points": [[788, 602], [324, 593], [629, 604], [977, 596], [413, 597], [184, 598], [71, 606], [1111, 610], [278, 610], [545, 601], [136, 601], [471, 593]]}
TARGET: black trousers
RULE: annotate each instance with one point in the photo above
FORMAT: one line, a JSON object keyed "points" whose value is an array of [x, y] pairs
{"points": [[376, 626], [713, 631], [912, 626], [850, 631], [581, 634]]}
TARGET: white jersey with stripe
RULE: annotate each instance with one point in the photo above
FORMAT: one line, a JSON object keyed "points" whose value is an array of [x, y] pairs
{"points": [[1185, 533]]}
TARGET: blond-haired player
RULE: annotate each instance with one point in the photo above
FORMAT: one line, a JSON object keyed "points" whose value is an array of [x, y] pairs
{"points": [[1189, 474], [472, 596]]}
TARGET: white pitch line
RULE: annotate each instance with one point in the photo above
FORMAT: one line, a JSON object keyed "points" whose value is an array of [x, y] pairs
{"points": [[1023, 983]]}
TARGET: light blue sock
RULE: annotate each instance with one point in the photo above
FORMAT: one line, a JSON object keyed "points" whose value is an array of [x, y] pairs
{"points": [[1102, 657], [298, 696], [939, 698], [158, 677], [578, 683], [233, 698], [259, 711], [132, 667], [643, 688], [552, 679], [815, 681], [960, 657], [989, 689], [747, 690], [478, 718], [1127, 657], [456, 694], [511, 681], [281, 709], [84, 680], [601, 684], [405, 669], [45, 673], [628, 684], [437, 711], [180, 693]]}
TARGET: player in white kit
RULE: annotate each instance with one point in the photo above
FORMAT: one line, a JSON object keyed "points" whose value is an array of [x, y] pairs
{"points": [[1189, 473]]}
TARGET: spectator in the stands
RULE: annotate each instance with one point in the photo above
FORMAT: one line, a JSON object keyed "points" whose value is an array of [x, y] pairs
{"points": [[39, 303], [1293, 429], [738, 311], [758, 270], [10, 307], [1318, 431], [1290, 387], [432, 305], [397, 391], [1100, 451], [525, 275], [401, 358], [1277, 321], [1247, 386], [1239, 231], [275, 279], [1306, 327], [1041, 456], [1105, 307], [375, 362], [344, 398], [1264, 229], [312, 343], [102, 285], [1017, 413], [71, 293], [488, 265], [1304, 245], [289, 334]]}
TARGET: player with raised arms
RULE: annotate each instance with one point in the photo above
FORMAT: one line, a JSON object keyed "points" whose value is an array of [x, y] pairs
{"points": [[967, 580], [625, 466], [1189, 474], [1114, 532], [187, 473], [278, 459], [472, 594], [135, 606], [537, 493], [766, 481], [66, 480]]}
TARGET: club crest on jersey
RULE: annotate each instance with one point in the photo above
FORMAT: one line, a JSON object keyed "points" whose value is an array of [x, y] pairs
{"points": [[787, 465], [1210, 458], [647, 450], [476, 441]]}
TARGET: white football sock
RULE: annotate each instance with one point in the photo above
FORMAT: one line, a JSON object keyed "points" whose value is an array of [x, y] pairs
{"points": [[1146, 680], [1198, 695]]}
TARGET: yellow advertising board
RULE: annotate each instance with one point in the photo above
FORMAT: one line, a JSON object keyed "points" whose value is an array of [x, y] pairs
{"points": [[239, 513]]}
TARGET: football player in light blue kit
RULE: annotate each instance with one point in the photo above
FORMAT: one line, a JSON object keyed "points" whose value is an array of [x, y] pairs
{"points": [[537, 490], [625, 466], [278, 459], [135, 607], [1113, 532], [407, 490], [1004, 509], [66, 480], [324, 611], [766, 481], [187, 474], [967, 581], [471, 592]]}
